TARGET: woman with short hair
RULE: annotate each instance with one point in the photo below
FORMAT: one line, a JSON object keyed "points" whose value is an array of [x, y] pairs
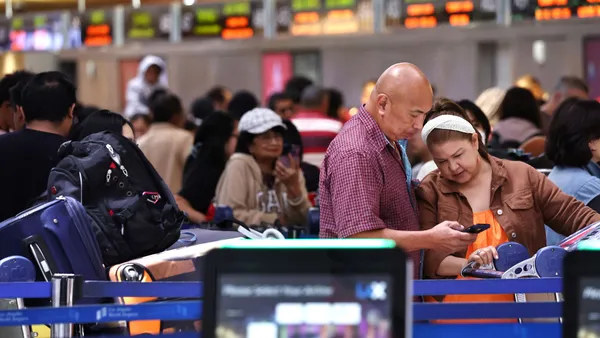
{"points": [[573, 144]]}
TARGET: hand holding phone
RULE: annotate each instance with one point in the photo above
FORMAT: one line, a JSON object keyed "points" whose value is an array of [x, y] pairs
{"points": [[477, 228]]}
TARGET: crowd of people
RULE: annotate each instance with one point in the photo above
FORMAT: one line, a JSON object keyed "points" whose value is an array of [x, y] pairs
{"points": [[404, 165]]}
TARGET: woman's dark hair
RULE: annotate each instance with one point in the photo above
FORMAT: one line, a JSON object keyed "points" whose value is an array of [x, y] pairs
{"points": [[209, 143], [202, 107], [520, 103], [99, 121], [245, 140], [296, 85], [336, 101], [574, 124], [478, 114], [241, 103], [165, 106], [445, 106]]}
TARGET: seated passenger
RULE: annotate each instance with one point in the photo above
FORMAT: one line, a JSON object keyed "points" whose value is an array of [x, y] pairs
{"points": [[257, 184], [472, 187], [573, 144], [519, 119], [214, 143]]}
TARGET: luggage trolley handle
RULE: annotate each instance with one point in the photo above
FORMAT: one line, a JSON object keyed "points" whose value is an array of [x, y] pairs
{"points": [[66, 289], [470, 271], [43, 261]]}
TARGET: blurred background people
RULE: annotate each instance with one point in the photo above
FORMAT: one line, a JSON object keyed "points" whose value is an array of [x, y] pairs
{"points": [[152, 75], [214, 143]]}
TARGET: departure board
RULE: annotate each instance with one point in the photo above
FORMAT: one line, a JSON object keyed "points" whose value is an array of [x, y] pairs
{"points": [[431, 13], [229, 21], [544, 10], [148, 23], [39, 32], [316, 17], [96, 27]]}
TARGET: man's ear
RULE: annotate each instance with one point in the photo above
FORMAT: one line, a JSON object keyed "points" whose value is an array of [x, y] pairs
{"points": [[72, 111], [382, 102]]}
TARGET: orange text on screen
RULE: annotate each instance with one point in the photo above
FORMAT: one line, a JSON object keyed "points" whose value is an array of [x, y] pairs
{"points": [[542, 14], [550, 3], [420, 22], [306, 29], [236, 22], [588, 11], [237, 33], [459, 7], [420, 9], [459, 19], [306, 17], [98, 40], [98, 30], [340, 15]]}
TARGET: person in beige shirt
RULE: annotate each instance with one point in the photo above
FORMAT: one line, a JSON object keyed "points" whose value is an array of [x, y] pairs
{"points": [[258, 183], [166, 144]]}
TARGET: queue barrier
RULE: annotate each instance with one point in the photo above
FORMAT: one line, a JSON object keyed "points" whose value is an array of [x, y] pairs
{"points": [[192, 310]]}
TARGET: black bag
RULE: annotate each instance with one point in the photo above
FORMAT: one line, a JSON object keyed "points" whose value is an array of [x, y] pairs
{"points": [[133, 212]]}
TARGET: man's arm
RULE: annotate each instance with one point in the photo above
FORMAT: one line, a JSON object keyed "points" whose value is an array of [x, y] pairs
{"points": [[355, 184], [407, 240]]}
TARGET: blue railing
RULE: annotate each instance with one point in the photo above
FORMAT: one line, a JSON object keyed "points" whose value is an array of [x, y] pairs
{"points": [[192, 310]]}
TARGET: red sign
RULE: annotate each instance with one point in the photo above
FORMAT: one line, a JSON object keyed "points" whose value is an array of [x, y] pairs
{"points": [[277, 69]]}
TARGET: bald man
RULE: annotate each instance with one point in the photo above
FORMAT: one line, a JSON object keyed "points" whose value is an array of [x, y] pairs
{"points": [[365, 183]]}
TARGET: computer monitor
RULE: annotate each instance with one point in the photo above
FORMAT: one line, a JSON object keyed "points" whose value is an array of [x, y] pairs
{"points": [[307, 288], [581, 292]]}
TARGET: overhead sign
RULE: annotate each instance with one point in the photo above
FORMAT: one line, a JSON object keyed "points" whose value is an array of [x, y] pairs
{"points": [[544, 10], [229, 21], [316, 17], [96, 27], [431, 13], [148, 23], [40, 32]]}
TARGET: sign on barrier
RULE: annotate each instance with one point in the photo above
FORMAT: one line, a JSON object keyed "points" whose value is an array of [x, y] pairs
{"points": [[183, 310], [192, 310]]}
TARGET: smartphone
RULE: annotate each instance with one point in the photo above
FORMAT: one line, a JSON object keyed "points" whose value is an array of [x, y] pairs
{"points": [[477, 228], [290, 149]]}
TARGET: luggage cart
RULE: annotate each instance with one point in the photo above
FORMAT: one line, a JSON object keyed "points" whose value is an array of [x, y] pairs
{"points": [[547, 262], [15, 269]]}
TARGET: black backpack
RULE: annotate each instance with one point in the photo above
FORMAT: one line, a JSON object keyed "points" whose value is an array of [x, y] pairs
{"points": [[133, 212]]}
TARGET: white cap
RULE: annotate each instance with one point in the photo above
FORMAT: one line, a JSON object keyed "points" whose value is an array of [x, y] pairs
{"points": [[260, 120]]}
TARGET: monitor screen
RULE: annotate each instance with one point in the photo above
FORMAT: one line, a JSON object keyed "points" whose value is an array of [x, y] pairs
{"points": [[304, 306], [589, 308]]}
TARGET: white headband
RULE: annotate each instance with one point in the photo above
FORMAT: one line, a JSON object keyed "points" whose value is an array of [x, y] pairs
{"points": [[447, 122]]}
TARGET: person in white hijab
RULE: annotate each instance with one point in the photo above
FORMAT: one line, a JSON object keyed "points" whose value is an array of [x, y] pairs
{"points": [[152, 75]]}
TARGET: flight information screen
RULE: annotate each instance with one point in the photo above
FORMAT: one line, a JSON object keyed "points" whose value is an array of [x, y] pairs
{"points": [[40, 32], [148, 23], [317, 17], [431, 13], [229, 21], [96, 27], [545, 10]]}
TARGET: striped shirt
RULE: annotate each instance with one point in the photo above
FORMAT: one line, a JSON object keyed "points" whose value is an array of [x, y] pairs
{"points": [[317, 131]]}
